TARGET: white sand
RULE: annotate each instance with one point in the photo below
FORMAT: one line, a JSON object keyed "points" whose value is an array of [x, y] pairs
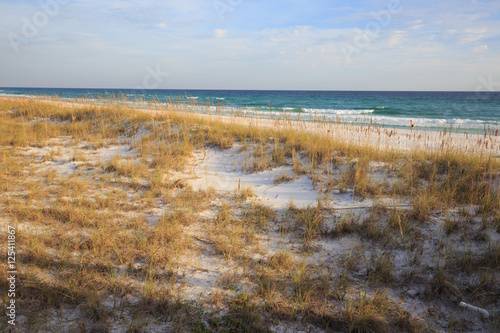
{"points": [[222, 170]]}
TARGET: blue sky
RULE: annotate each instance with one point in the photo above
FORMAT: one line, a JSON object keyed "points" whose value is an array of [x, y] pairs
{"points": [[243, 44]]}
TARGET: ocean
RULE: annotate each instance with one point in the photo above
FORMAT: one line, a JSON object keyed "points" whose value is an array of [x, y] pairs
{"points": [[472, 112]]}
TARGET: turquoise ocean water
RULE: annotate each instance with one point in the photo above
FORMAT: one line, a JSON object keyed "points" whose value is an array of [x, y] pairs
{"points": [[464, 111]]}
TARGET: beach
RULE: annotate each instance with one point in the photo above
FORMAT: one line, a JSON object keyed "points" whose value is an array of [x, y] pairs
{"points": [[250, 166], [378, 136], [381, 137], [230, 222]]}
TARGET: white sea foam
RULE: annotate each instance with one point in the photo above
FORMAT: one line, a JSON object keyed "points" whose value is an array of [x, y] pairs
{"points": [[364, 117], [347, 116], [423, 122], [18, 95], [336, 112]]}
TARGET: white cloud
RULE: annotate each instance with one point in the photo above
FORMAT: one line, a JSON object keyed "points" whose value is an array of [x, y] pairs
{"points": [[474, 34], [418, 24], [300, 29], [480, 48], [397, 38], [220, 33]]}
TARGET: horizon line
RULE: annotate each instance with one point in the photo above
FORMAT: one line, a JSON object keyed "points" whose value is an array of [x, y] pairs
{"points": [[220, 89]]}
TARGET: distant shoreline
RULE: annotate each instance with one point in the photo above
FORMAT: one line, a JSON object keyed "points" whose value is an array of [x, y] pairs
{"points": [[462, 112], [376, 136]]}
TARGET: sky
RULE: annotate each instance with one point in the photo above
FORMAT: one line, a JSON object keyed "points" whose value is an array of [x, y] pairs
{"points": [[424, 45]]}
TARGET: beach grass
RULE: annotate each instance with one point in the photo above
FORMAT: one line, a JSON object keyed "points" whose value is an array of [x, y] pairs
{"points": [[111, 235]]}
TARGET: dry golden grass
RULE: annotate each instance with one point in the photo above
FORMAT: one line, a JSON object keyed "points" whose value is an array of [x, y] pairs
{"points": [[120, 227]]}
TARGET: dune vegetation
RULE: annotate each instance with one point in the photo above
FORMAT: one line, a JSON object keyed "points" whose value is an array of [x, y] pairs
{"points": [[112, 234]]}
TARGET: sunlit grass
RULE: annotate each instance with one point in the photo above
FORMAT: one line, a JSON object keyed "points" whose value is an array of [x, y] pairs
{"points": [[126, 227]]}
